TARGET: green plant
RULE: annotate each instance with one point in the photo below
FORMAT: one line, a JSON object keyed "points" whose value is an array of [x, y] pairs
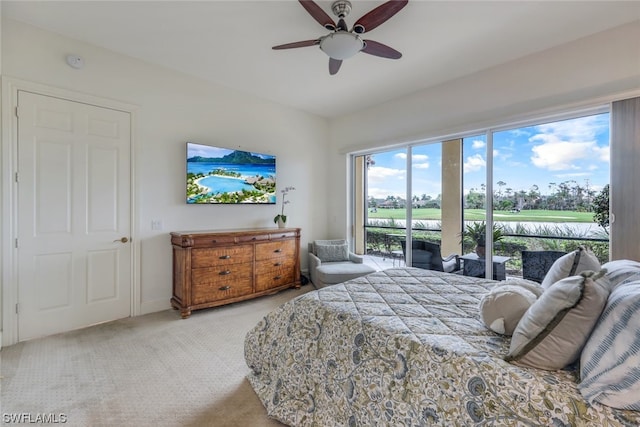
{"points": [[600, 207], [476, 231]]}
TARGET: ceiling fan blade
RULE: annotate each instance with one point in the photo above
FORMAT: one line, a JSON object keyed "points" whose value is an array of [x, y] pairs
{"points": [[379, 49], [297, 44], [318, 14], [378, 15], [334, 65]]}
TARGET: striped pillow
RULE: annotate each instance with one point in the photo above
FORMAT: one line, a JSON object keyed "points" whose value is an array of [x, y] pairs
{"points": [[622, 270], [610, 361]]}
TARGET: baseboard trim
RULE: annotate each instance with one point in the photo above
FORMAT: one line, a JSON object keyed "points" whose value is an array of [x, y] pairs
{"points": [[154, 306]]}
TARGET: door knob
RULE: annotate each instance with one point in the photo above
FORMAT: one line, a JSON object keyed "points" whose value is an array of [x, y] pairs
{"points": [[122, 240]]}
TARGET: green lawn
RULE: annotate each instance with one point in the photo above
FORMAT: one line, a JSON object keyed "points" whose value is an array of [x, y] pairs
{"points": [[479, 214]]}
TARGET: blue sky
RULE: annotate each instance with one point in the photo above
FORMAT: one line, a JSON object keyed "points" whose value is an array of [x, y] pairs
{"points": [[569, 150]]}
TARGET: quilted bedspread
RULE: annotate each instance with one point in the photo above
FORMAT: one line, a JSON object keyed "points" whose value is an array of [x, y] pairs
{"points": [[404, 347]]}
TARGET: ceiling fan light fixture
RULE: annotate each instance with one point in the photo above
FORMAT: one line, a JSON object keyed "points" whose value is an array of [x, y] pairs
{"points": [[341, 44]]}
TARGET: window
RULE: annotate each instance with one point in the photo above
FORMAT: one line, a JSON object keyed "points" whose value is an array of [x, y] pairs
{"points": [[544, 178]]}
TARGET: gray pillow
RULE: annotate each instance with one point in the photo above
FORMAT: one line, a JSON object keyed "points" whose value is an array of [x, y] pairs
{"points": [[553, 331], [332, 253]]}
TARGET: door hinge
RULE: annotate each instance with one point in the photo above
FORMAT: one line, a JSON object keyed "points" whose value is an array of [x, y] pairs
{"points": [[17, 111], [17, 308], [16, 243], [17, 177]]}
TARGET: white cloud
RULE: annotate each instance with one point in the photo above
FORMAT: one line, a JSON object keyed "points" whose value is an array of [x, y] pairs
{"points": [[379, 174], [572, 175], [385, 182], [420, 161], [603, 153], [477, 144], [564, 143], [474, 163], [554, 154]]}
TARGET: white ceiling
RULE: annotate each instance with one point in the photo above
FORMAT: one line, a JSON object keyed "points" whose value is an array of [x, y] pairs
{"points": [[229, 42]]}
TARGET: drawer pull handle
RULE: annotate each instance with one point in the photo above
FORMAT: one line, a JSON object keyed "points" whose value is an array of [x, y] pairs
{"points": [[224, 273], [278, 251], [277, 264], [214, 241], [224, 288], [225, 257], [253, 238], [277, 278]]}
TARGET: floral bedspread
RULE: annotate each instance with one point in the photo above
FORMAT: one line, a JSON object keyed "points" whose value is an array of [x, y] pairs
{"points": [[404, 347]]}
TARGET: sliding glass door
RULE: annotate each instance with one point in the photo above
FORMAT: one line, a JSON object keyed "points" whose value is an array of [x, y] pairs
{"points": [[489, 196]]}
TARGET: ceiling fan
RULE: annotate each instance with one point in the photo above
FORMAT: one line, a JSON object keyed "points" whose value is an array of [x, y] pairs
{"points": [[343, 43]]}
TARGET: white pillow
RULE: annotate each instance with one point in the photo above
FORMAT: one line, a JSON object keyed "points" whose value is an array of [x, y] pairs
{"points": [[504, 305], [610, 361], [571, 264], [554, 329], [621, 270]]}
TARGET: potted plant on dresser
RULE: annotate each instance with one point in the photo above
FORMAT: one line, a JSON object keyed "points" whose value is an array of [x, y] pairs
{"points": [[281, 218]]}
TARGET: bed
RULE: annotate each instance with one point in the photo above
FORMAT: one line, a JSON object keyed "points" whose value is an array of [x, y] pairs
{"points": [[405, 347]]}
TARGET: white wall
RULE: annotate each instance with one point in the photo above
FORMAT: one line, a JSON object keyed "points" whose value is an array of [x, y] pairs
{"points": [[577, 73], [173, 108]]}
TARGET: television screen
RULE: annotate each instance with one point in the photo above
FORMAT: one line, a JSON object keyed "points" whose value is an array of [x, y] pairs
{"points": [[217, 175]]}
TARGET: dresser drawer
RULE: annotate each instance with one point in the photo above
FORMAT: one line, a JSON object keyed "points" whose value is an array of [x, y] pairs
{"points": [[213, 284], [284, 248], [212, 257], [269, 275], [283, 235], [213, 240]]}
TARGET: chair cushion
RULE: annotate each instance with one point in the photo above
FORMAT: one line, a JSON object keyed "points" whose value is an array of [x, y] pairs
{"points": [[338, 272], [328, 242], [331, 252]]}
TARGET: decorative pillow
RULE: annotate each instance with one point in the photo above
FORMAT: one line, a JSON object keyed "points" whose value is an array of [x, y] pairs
{"points": [[554, 329], [610, 361], [621, 270], [503, 306], [332, 252], [571, 264]]}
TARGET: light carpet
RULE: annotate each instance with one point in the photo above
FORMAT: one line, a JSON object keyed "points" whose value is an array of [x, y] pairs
{"points": [[151, 370]]}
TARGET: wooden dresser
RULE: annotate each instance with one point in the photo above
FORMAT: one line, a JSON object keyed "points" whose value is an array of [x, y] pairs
{"points": [[218, 267]]}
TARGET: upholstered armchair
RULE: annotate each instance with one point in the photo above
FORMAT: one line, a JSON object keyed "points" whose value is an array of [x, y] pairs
{"points": [[331, 262]]}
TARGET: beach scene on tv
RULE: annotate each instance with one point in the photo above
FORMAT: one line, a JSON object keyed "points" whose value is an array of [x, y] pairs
{"points": [[220, 175]]}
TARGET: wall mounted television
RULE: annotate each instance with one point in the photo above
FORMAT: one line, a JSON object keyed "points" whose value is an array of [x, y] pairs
{"points": [[217, 175]]}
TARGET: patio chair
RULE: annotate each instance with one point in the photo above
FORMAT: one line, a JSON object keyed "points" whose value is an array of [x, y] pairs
{"points": [[536, 264], [428, 256]]}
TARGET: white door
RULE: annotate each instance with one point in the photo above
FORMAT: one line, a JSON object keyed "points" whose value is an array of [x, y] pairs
{"points": [[74, 251]]}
